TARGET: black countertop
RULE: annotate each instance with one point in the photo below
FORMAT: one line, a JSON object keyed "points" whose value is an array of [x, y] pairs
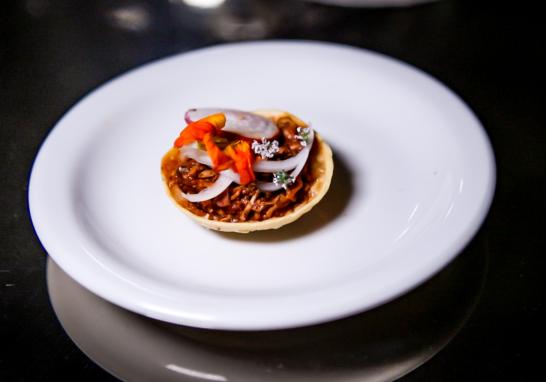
{"points": [[488, 305]]}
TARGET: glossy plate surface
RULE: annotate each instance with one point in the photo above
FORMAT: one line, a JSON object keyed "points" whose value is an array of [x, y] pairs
{"points": [[413, 181]]}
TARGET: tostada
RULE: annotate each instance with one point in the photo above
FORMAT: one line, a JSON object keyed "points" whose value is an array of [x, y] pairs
{"points": [[237, 171]]}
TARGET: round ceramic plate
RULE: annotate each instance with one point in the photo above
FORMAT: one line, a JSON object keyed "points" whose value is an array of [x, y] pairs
{"points": [[413, 181]]}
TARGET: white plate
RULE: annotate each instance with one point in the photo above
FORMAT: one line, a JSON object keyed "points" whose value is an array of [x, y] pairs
{"points": [[413, 182]]}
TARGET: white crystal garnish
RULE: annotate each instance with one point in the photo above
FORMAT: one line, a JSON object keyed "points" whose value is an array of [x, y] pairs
{"points": [[266, 149]]}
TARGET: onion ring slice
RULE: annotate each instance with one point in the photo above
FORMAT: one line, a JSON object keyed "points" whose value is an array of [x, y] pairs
{"points": [[214, 190], [249, 125]]}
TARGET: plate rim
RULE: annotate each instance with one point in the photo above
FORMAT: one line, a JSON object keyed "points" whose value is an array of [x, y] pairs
{"points": [[464, 237]]}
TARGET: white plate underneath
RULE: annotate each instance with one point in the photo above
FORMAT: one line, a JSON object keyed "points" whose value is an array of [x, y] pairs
{"points": [[413, 181]]}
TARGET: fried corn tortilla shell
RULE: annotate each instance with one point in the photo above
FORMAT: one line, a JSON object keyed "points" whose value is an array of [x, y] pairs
{"points": [[321, 167]]}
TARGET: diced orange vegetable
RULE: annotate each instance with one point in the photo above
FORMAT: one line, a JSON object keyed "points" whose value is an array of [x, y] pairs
{"points": [[218, 120], [220, 160], [193, 132], [238, 156], [243, 160], [196, 131]]}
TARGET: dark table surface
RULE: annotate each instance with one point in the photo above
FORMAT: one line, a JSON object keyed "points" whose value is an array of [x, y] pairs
{"points": [[52, 52]]}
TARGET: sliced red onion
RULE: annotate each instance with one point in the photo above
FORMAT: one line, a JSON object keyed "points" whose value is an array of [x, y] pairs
{"points": [[271, 186], [287, 164], [187, 116], [268, 186], [239, 122], [232, 175], [306, 149], [210, 192], [201, 156]]}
